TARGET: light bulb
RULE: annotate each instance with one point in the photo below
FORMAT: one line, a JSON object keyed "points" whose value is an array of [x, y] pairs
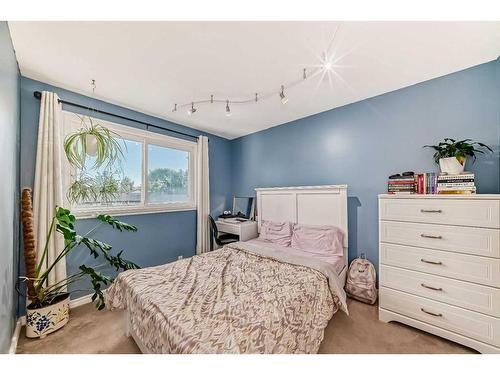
{"points": [[327, 65], [283, 98], [191, 110], [228, 110]]}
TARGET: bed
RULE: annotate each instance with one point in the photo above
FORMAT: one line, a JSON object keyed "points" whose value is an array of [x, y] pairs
{"points": [[248, 297]]}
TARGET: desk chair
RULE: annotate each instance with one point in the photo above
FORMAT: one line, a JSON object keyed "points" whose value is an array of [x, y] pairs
{"points": [[221, 239]]}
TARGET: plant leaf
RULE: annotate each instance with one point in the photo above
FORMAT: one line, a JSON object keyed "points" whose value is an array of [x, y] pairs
{"points": [[97, 279], [120, 225]]}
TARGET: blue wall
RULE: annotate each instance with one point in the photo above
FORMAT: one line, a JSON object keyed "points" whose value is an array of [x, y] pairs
{"points": [[358, 144], [9, 132], [361, 144], [162, 237]]}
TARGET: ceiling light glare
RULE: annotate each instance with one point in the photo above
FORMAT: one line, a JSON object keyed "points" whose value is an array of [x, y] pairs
{"points": [[328, 65]]}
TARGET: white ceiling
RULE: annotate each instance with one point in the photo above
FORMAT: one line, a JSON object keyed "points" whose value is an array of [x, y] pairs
{"points": [[149, 66]]}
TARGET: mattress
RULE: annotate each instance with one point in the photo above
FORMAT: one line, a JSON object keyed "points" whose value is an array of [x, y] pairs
{"points": [[337, 261], [243, 298]]}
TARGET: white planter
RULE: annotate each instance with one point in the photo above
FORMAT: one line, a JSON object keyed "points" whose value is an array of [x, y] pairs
{"points": [[91, 143], [42, 321], [451, 165]]}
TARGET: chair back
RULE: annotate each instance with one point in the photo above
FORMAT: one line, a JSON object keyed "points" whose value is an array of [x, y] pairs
{"points": [[214, 228]]}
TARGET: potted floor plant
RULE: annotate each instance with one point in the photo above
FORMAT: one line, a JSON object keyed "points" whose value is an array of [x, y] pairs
{"points": [[48, 308], [451, 154]]}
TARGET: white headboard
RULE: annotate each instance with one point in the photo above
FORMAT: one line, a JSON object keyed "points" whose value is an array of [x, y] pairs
{"points": [[315, 205]]}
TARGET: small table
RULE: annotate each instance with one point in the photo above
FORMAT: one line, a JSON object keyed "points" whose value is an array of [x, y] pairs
{"points": [[246, 230]]}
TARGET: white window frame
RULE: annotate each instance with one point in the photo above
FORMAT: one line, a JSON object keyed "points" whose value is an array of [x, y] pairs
{"points": [[71, 122]]}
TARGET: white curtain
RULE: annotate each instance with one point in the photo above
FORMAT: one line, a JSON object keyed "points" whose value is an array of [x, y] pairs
{"points": [[48, 191], [203, 197]]}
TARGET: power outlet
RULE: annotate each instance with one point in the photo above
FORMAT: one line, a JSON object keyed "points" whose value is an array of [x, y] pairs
{"points": [[179, 257]]}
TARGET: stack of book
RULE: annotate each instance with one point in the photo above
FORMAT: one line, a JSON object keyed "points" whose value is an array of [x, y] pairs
{"points": [[401, 185], [426, 183], [456, 184]]}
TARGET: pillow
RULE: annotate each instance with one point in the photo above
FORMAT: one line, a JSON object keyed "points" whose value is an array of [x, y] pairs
{"points": [[278, 233], [318, 239]]}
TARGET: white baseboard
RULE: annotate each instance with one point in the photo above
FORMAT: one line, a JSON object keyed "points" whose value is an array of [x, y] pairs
{"points": [[22, 320], [15, 336], [80, 301]]}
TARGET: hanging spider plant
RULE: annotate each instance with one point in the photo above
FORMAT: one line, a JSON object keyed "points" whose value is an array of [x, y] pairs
{"points": [[93, 140], [105, 187], [82, 190], [103, 148]]}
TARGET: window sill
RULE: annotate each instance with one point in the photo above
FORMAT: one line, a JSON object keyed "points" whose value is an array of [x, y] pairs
{"points": [[129, 211]]}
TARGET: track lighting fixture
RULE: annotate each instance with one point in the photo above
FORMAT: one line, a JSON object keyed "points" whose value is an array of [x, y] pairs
{"points": [[322, 69], [283, 98], [192, 109]]}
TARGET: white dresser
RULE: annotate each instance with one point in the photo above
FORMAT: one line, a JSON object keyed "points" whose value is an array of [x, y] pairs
{"points": [[439, 266]]}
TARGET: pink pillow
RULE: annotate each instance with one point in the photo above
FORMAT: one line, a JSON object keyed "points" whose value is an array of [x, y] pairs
{"points": [[278, 233], [318, 239]]}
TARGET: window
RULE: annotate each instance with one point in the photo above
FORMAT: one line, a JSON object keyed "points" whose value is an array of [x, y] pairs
{"points": [[156, 173]]}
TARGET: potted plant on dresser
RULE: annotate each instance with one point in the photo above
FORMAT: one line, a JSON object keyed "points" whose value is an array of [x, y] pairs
{"points": [[48, 304], [451, 155]]}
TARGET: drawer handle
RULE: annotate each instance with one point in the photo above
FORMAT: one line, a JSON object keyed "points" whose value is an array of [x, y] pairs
{"points": [[430, 313], [431, 287], [430, 236], [430, 261], [431, 211]]}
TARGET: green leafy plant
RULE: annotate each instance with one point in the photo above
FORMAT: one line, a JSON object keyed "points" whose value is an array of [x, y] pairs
{"points": [[104, 187], [82, 189], [459, 149], [108, 149], [63, 223], [104, 153]]}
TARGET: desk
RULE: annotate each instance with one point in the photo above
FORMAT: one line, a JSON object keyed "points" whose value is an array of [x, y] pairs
{"points": [[246, 229]]}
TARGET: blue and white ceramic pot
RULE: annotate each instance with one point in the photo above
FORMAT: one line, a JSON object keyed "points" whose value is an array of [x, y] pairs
{"points": [[44, 320]]}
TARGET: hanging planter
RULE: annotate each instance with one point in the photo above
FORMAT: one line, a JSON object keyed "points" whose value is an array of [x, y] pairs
{"points": [[100, 145], [92, 140]]}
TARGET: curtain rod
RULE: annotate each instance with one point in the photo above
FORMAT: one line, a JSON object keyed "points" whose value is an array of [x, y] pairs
{"points": [[38, 95]]}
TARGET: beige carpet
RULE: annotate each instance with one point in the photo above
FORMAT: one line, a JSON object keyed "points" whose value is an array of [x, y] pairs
{"points": [[91, 331]]}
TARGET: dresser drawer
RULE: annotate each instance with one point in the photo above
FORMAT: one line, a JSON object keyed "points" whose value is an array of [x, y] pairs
{"points": [[471, 268], [455, 319], [468, 212], [468, 240], [480, 298]]}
